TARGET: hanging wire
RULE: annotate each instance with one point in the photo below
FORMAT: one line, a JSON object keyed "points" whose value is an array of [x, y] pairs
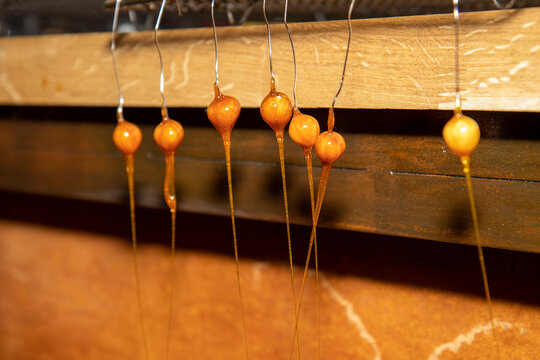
{"points": [[293, 53], [120, 110], [508, 5], [346, 54], [179, 4], [269, 39], [161, 77], [457, 103], [215, 41]]}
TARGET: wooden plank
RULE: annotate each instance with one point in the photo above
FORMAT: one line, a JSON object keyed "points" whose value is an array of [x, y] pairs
{"points": [[509, 159], [389, 191], [399, 63]]}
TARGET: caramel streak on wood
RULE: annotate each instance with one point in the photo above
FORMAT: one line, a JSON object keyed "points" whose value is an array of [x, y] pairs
{"points": [[473, 51], [10, 89], [415, 82], [328, 42], [425, 51], [393, 48], [352, 316], [171, 76], [130, 84], [475, 32], [518, 67], [258, 268], [517, 37], [400, 44], [185, 65], [468, 337]]}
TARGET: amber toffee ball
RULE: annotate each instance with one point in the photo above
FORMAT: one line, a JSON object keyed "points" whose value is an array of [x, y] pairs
{"points": [[276, 110], [169, 135], [223, 113], [329, 147], [127, 137], [461, 134], [304, 130]]}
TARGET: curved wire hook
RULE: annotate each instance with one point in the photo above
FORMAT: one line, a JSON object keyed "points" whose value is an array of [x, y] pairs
{"points": [[269, 39], [215, 41], [120, 110], [508, 5], [164, 110], [293, 53], [346, 56]]}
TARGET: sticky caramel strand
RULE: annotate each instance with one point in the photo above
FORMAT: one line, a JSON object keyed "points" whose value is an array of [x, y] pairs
{"points": [[465, 161], [227, 145], [130, 169]]}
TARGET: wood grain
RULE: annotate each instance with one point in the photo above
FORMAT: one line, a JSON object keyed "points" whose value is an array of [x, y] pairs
{"points": [[396, 63], [407, 186]]}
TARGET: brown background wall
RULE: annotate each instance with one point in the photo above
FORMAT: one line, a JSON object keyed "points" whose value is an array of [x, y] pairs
{"points": [[67, 290]]}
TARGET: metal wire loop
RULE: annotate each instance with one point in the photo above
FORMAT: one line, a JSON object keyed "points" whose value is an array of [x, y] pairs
{"points": [[161, 77], [215, 40], [269, 39], [293, 53], [120, 110], [346, 54], [457, 102]]}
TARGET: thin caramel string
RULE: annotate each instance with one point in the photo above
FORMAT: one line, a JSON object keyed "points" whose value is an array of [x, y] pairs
{"points": [[170, 197], [315, 249], [465, 161], [279, 138], [325, 172], [130, 169], [173, 245], [227, 145], [309, 163]]}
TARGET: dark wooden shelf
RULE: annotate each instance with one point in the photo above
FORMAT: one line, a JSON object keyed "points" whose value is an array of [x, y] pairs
{"points": [[391, 184]]}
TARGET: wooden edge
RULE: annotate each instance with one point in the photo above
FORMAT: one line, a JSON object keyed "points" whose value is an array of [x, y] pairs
{"points": [[395, 63]]}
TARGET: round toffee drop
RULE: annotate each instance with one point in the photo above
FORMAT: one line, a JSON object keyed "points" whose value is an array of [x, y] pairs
{"points": [[329, 147], [223, 113], [461, 134], [127, 137], [276, 110], [304, 130], [169, 135]]}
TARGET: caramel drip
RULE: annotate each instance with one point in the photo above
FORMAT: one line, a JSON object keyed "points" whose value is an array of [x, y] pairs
{"points": [[169, 190], [227, 146], [465, 161], [130, 170], [279, 138], [170, 197], [325, 173]]}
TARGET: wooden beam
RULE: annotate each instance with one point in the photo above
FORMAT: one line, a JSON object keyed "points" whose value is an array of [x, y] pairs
{"points": [[399, 63], [407, 186]]}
